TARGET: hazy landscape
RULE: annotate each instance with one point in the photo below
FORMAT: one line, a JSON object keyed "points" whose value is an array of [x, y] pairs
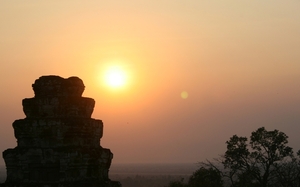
{"points": [[143, 175]]}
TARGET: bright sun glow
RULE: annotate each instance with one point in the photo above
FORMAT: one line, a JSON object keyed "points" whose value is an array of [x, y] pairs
{"points": [[115, 77]]}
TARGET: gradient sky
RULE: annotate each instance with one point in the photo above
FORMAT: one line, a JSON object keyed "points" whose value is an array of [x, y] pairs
{"points": [[239, 62]]}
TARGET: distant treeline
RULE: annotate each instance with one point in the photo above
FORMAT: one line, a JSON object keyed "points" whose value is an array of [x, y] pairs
{"points": [[147, 180], [264, 161], [142, 175]]}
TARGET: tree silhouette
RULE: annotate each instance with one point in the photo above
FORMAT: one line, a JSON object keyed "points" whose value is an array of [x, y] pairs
{"points": [[264, 161], [206, 177], [177, 183], [267, 148]]}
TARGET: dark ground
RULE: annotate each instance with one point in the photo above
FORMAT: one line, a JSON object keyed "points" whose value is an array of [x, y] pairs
{"points": [[142, 175]]}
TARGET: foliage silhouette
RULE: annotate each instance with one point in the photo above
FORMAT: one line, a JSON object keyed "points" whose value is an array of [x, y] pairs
{"points": [[264, 161], [206, 177], [177, 183], [258, 158]]}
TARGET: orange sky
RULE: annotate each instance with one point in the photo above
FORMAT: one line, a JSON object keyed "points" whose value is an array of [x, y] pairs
{"points": [[239, 62]]}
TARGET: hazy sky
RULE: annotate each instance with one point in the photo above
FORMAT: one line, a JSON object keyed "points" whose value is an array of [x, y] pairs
{"points": [[239, 62]]}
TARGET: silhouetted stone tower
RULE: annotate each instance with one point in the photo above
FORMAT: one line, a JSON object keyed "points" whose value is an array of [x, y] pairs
{"points": [[58, 141]]}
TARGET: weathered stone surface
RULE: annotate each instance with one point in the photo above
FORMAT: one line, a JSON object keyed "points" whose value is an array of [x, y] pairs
{"points": [[58, 143]]}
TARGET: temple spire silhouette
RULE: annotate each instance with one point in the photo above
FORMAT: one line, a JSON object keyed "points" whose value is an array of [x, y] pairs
{"points": [[58, 143]]}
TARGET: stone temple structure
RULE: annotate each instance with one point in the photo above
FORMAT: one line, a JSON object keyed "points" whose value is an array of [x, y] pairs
{"points": [[58, 141]]}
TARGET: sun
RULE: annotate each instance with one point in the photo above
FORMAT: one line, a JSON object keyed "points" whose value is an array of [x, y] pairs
{"points": [[115, 77]]}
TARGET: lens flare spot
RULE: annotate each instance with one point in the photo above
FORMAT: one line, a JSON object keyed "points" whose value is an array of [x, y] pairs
{"points": [[184, 95]]}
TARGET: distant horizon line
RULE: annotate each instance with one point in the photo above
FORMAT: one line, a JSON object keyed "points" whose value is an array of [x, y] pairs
{"points": [[145, 163]]}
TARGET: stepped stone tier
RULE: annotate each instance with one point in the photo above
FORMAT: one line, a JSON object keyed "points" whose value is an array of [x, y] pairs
{"points": [[58, 143]]}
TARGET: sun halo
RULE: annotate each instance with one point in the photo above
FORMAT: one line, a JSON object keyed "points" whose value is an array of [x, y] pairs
{"points": [[115, 77]]}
